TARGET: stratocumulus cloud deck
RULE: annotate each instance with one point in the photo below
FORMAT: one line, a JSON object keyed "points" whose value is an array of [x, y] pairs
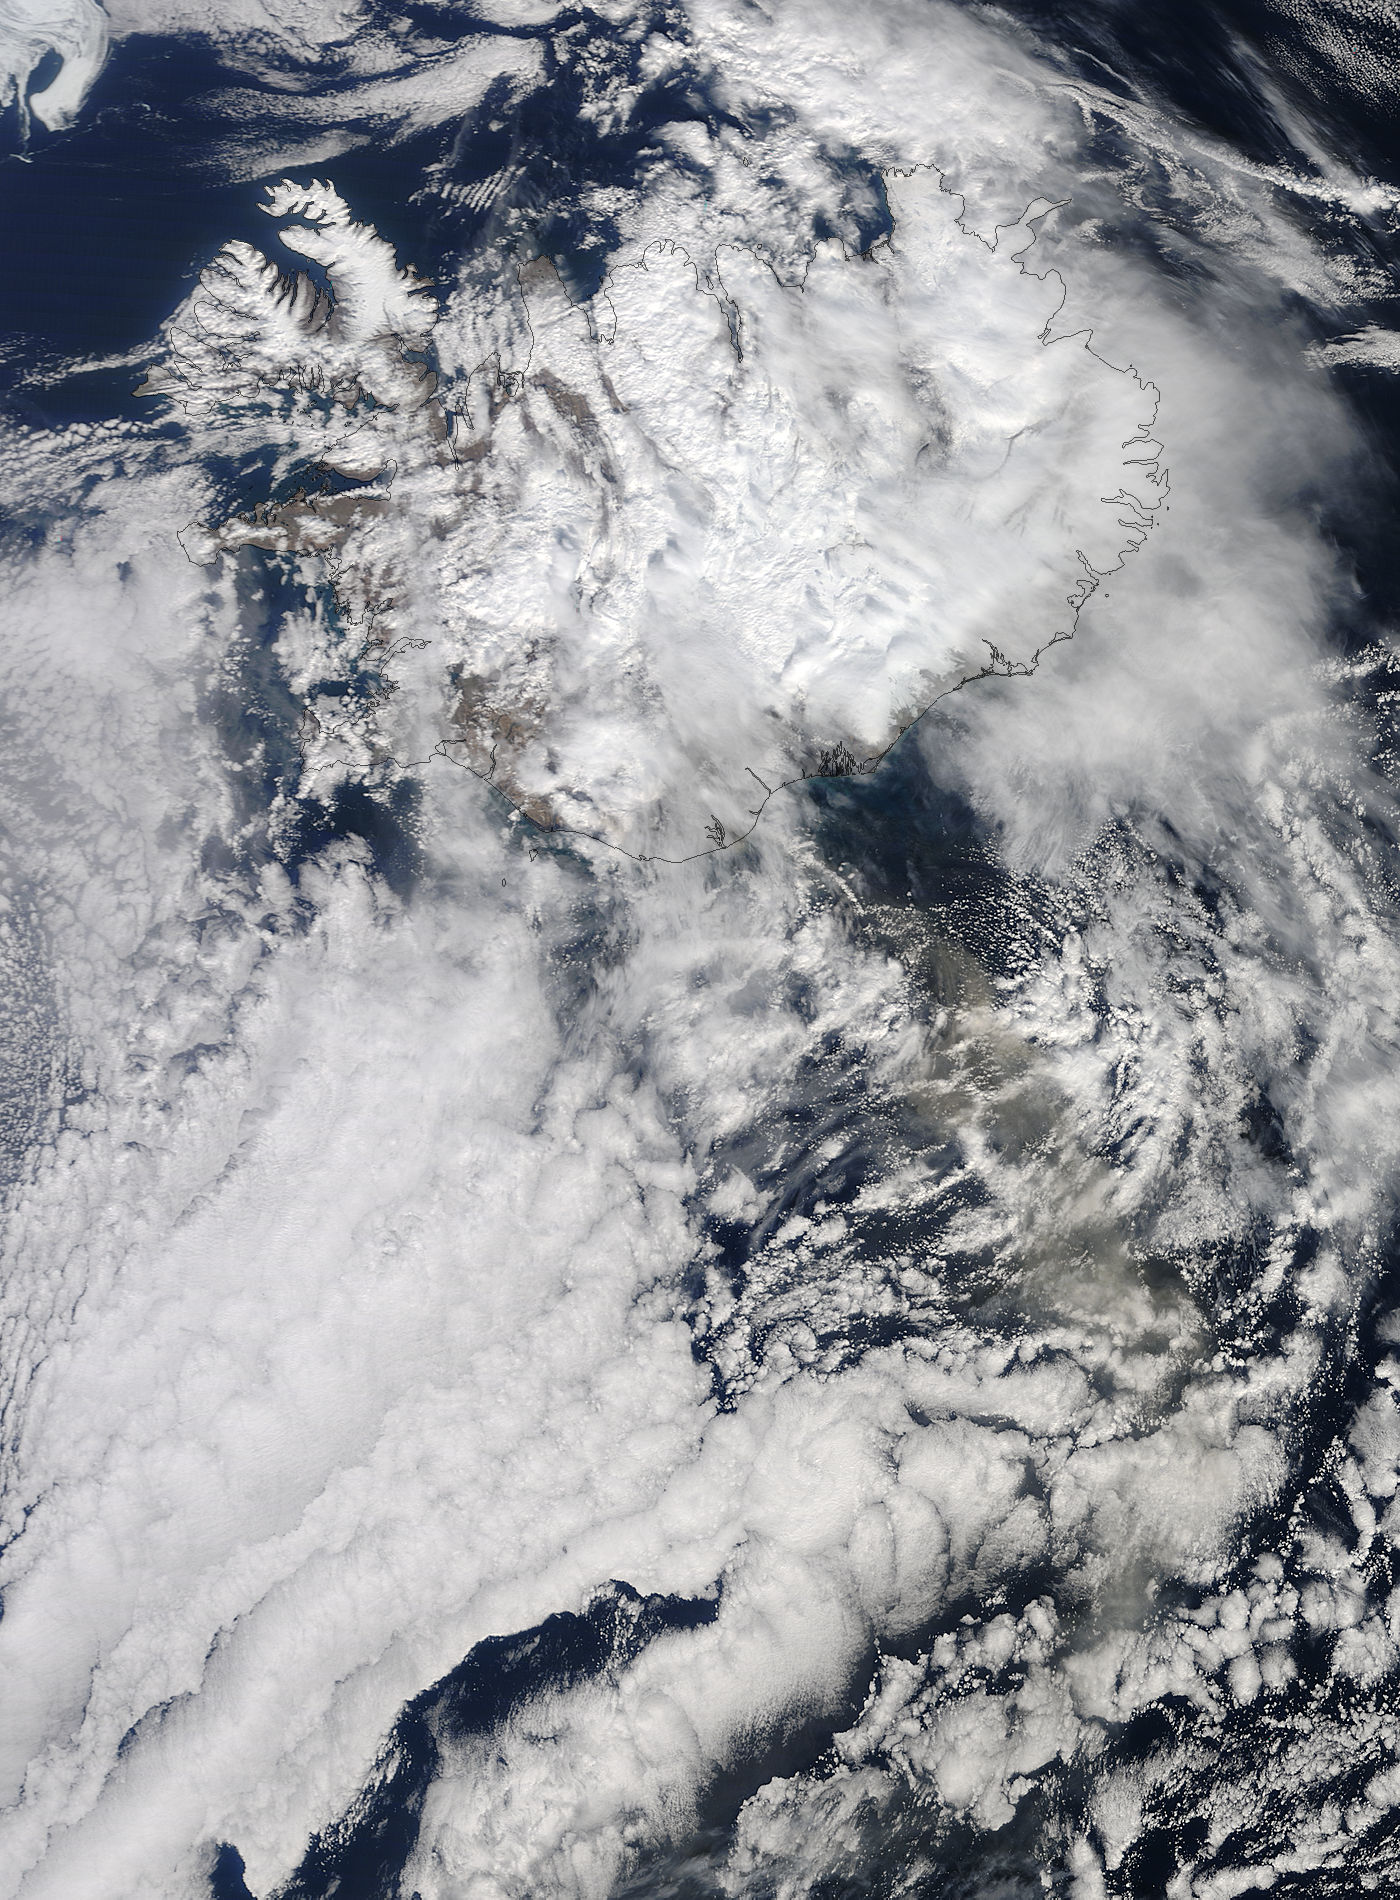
{"points": [[572, 1326]]}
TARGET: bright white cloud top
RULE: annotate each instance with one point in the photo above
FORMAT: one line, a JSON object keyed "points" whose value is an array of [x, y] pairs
{"points": [[76, 30], [855, 1356], [712, 533]]}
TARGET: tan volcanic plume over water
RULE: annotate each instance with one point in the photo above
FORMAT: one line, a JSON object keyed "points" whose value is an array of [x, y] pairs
{"points": [[760, 1371]]}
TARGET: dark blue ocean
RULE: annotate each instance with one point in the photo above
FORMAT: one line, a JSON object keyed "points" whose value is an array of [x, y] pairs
{"points": [[103, 231]]}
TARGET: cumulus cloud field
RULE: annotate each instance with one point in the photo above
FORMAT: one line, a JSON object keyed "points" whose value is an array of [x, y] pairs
{"points": [[699, 1089]]}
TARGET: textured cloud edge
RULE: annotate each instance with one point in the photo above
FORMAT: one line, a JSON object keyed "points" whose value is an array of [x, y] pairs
{"points": [[1372, 348], [76, 30], [942, 1288], [707, 536], [293, 83]]}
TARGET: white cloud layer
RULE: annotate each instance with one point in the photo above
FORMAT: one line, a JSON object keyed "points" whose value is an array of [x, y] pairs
{"points": [[364, 1292], [29, 29], [784, 518]]}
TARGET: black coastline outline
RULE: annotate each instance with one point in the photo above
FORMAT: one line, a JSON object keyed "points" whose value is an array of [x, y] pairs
{"points": [[1145, 517]]}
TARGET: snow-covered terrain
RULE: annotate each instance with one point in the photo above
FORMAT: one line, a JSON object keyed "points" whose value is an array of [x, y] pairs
{"points": [[710, 533], [617, 1279]]}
